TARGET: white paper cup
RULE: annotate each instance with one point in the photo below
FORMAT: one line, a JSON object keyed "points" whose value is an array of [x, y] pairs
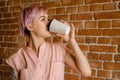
{"points": [[58, 27]]}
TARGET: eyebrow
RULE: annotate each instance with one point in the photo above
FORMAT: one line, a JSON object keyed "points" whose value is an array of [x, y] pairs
{"points": [[44, 16]]}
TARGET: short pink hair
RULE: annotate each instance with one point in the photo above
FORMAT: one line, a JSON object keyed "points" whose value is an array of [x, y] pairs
{"points": [[27, 16]]}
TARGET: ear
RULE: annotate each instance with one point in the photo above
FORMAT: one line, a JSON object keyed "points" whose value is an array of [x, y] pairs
{"points": [[29, 27]]}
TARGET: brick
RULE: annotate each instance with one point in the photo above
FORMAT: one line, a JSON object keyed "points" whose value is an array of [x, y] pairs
{"points": [[71, 10], [7, 74], [10, 2], [78, 24], [0, 15], [102, 73], [71, 2], [2, 55], [90, 24], [92, 78], [80, 39], [51, 4], [106, 57], [94, 72], [25, 1], [115, 0], [19, 1], [1, 61], [82, 16], [1, 27], [104, 24], [12, 20], [118, 49], [16, 14], [7, 15], [84, 47], [1, 73], [11, 33], [102, 48], [6, 27], [61, 17], [90, 32], [111, 32], [2, 33], [1, 78], [13, 26], [12, 45], [95, 64], [115, 23], [116, 74], [104, 40], [111, 66], [41, 0], [10, 52], [109, 6], [52, 11], [93, 56], [97, 7], [107, 15], [60, 10], [2, 21], [1, 38], [10, 39], [15, 8], [112, 49], [96, 1], [4, 68], [116, 41], [71, 77], [4, 9], [2, 3], [117, 57], [84, 8], [57, 39], [90, 40], [21, 39], [67, 69]]}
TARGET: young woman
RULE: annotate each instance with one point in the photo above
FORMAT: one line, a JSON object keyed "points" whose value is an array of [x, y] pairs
{"points": [[42, 60]]}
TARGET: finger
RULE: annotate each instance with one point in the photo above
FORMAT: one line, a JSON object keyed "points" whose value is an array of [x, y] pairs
{"points": [[60, 35], [64, 22], [72, 26]]}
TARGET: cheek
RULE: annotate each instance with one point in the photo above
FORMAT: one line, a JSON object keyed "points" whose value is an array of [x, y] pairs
{"points": [[41, 28]]}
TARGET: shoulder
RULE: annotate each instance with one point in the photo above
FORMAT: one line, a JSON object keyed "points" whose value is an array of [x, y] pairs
{"points": [[15, 59], [59, 45], [59, 48], [17, 54]]}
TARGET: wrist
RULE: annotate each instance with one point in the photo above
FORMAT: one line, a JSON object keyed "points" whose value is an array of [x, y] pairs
{"points": [[72, 41]]}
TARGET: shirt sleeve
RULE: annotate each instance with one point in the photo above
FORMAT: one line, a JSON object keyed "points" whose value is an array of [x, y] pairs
{"points": [[11, 62]]}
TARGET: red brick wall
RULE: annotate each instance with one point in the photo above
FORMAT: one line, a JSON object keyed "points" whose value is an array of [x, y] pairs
{"points": [[97, 24]]}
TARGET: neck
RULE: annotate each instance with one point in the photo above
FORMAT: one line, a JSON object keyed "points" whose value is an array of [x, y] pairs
{"points": [[35, 43]]}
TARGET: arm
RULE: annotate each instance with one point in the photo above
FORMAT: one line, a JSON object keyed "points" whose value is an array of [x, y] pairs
{"points": [[12, 74], [76, 60]]}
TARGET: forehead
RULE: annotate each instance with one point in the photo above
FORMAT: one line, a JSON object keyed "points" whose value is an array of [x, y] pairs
{"points": [[42, 13]]}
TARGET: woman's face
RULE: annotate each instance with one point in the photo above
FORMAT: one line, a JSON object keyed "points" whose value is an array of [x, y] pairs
{"points": [[40, 25]]}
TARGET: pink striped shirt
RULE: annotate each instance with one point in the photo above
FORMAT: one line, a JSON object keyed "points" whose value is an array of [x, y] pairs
{"points": [[48, 65]]}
